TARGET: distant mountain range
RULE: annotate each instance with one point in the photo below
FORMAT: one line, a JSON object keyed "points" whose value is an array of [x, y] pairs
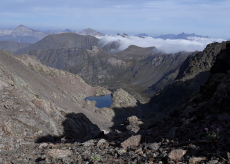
{"points": [[173, 36], [24, 34]]}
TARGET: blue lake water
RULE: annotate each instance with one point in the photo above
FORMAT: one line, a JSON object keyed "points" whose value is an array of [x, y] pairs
{"points": [[102, 101]]}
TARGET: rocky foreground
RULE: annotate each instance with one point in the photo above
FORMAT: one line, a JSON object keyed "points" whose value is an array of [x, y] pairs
{"points": [[197, 132]]}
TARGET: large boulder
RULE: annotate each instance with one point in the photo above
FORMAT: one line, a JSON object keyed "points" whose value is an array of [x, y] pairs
{"points": [[122, 99], [133, 124]]}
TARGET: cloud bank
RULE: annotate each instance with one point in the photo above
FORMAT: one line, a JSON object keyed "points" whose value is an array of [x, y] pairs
{"points": [[169, 45]]}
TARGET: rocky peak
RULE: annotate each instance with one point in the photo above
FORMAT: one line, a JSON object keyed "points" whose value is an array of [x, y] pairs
{"points": [[222, 64], [91, 32], [200, 61], [22, 28]]}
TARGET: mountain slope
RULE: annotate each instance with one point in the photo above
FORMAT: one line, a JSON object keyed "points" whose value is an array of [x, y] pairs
{"points": [[135, 67], [37, 100], [193, 73], [200, 61], [12, 45], [65, 40]]}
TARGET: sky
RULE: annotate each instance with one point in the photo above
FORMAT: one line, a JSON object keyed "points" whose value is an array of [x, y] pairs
{"points": [[153, 17]]}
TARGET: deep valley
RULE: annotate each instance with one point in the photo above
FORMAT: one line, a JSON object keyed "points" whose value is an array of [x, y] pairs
{"points": [[163, 107]]}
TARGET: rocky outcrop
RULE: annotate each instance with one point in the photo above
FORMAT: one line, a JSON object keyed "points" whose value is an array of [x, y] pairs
{"points": [[133, 124], [200, 61], [100, 91], [107, 113], [122, 99], [64, 40], [193, 73]]}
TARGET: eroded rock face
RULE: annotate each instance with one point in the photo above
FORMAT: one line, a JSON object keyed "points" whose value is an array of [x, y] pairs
{"points": [[122, 99]]}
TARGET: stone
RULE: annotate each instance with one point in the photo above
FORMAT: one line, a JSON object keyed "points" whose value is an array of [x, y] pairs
{"points": [[132, 141], [194, 160], [102, 142], [132, 120], [133, 124], [100, 91], [133, 128], [155, 146], [212, 162], [57, 153], [176, 154], [89, 143], [228, 154], [43, 145], [122, 99], [139, 151]]}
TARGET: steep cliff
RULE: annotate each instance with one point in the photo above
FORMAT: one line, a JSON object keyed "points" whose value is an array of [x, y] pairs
{"points": [[193, 73]]}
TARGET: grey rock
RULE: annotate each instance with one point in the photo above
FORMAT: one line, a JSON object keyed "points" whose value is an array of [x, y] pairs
{"points": [[154, 146], [122, 99], [212, 162], [176, 154]]}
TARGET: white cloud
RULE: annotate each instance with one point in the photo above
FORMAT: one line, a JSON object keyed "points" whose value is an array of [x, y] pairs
{"points": [[169, 45]]}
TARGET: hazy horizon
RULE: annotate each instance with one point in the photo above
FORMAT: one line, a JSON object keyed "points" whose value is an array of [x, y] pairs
{"points": [[106, 32], [153, 17]]}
